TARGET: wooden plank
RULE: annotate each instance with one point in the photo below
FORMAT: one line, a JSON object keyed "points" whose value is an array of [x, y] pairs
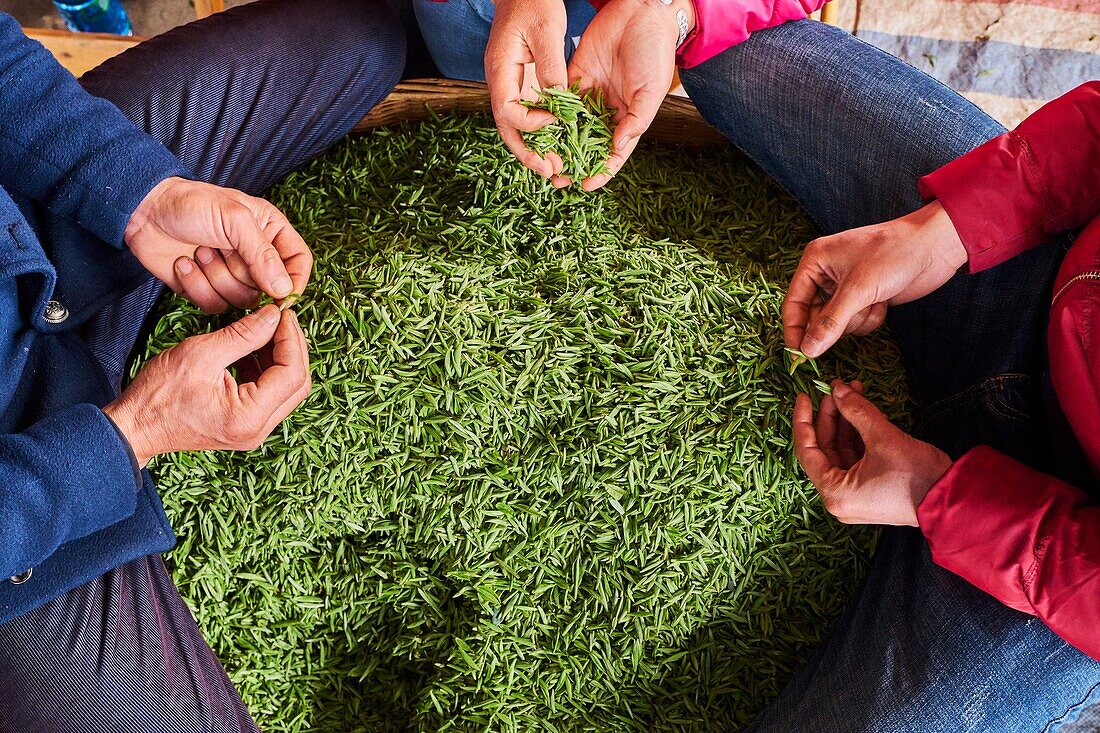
{"points": [[79, 52], [677, 122], [204, 8]]}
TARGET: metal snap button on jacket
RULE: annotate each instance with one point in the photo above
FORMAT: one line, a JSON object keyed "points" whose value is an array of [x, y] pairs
{"points": [[22, 578], [56, 312]]}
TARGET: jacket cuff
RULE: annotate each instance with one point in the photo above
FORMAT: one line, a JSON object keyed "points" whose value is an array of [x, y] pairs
{"points": [[93, 467], [106, 210], [994, 196], [138, 479], [722, 24], [64, 477], [984, 521]]}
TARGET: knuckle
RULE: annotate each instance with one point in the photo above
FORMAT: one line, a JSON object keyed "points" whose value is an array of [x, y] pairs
{"points": [[270, 256], [241, 332], [826, 323], [183, 351]]}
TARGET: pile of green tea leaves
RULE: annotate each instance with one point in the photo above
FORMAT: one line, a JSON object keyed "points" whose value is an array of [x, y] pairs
{"points": [[544, 479], [582, 133]]}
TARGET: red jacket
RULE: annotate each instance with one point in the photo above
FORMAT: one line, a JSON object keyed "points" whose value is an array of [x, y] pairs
{"points": [[1031, 540]]}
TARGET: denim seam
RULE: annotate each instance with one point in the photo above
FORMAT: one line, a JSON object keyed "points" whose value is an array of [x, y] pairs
{"points": [[940, 407], [994, 394], [475, 11], [1062, 718]]}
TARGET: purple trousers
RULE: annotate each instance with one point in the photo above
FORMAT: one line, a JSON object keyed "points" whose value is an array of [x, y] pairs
{"points": [[242, 98]]}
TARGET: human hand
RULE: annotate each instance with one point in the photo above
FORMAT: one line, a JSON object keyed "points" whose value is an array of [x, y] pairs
{"points": [[217, 246], [867, 470], [525, 31], [186, 399], [862, 271], [628, 51]]}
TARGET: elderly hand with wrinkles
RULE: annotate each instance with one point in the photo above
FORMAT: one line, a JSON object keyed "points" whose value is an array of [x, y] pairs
{"points": [[217, 247]]}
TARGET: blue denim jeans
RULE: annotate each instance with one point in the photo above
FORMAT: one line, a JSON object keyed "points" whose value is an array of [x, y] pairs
{"points": [[456, 32], [848, 129]]}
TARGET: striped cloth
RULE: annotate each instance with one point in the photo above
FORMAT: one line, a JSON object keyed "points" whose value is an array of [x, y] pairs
{"points": [[1007, 56]]}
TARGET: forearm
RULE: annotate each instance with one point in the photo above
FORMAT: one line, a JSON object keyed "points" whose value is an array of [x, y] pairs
{"points": [[1028, 539], [63, 478], [1021, 188], [73, 152]]}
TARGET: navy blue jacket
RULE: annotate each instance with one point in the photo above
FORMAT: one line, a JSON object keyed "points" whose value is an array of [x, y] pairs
{"points": [[72, 171]]}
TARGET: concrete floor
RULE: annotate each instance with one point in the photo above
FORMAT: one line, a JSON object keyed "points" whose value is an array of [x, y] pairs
{"points": [[149, 17]]}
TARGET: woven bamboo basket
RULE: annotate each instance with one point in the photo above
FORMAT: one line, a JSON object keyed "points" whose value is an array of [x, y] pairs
{"points": [[677, 122]]}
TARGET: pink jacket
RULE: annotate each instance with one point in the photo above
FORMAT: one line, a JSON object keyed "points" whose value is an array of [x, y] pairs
{"points": [[720, 24]]}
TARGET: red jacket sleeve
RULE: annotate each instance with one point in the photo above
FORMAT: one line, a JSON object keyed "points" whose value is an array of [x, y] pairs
{"points": [[1017, 190], [1030, 540]]}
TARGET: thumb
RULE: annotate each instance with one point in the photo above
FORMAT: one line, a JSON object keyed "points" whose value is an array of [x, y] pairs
{"points": [[859, 411], [264, 263], [639, 114], [831, 321], [251, 333]]}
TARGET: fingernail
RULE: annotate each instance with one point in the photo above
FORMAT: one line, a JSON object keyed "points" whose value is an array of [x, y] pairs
{"points": [[270, 314], [185, 266], [841, 390], [282, 286], [204, 255]]}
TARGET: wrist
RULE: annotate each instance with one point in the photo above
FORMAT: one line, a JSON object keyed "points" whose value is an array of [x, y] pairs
{"points": [[948, 243], [677, 15], [145, 211], [937, 464], [128, 425]]}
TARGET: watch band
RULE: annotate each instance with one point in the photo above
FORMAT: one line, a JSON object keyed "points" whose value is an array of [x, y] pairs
{"points": [[682, 23]]}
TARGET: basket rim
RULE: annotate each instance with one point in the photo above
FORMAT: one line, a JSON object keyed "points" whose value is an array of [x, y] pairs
{"points": [[678, 122]]}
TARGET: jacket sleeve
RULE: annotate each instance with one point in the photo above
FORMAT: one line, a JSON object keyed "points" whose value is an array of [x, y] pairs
{"points": [[1018, 189], [73, 152], [63, 478], [1029, 540], [720, 24]]}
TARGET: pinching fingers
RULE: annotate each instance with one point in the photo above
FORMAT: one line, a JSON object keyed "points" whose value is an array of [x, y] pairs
{"points": [[194, 286], [813, 459]]}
